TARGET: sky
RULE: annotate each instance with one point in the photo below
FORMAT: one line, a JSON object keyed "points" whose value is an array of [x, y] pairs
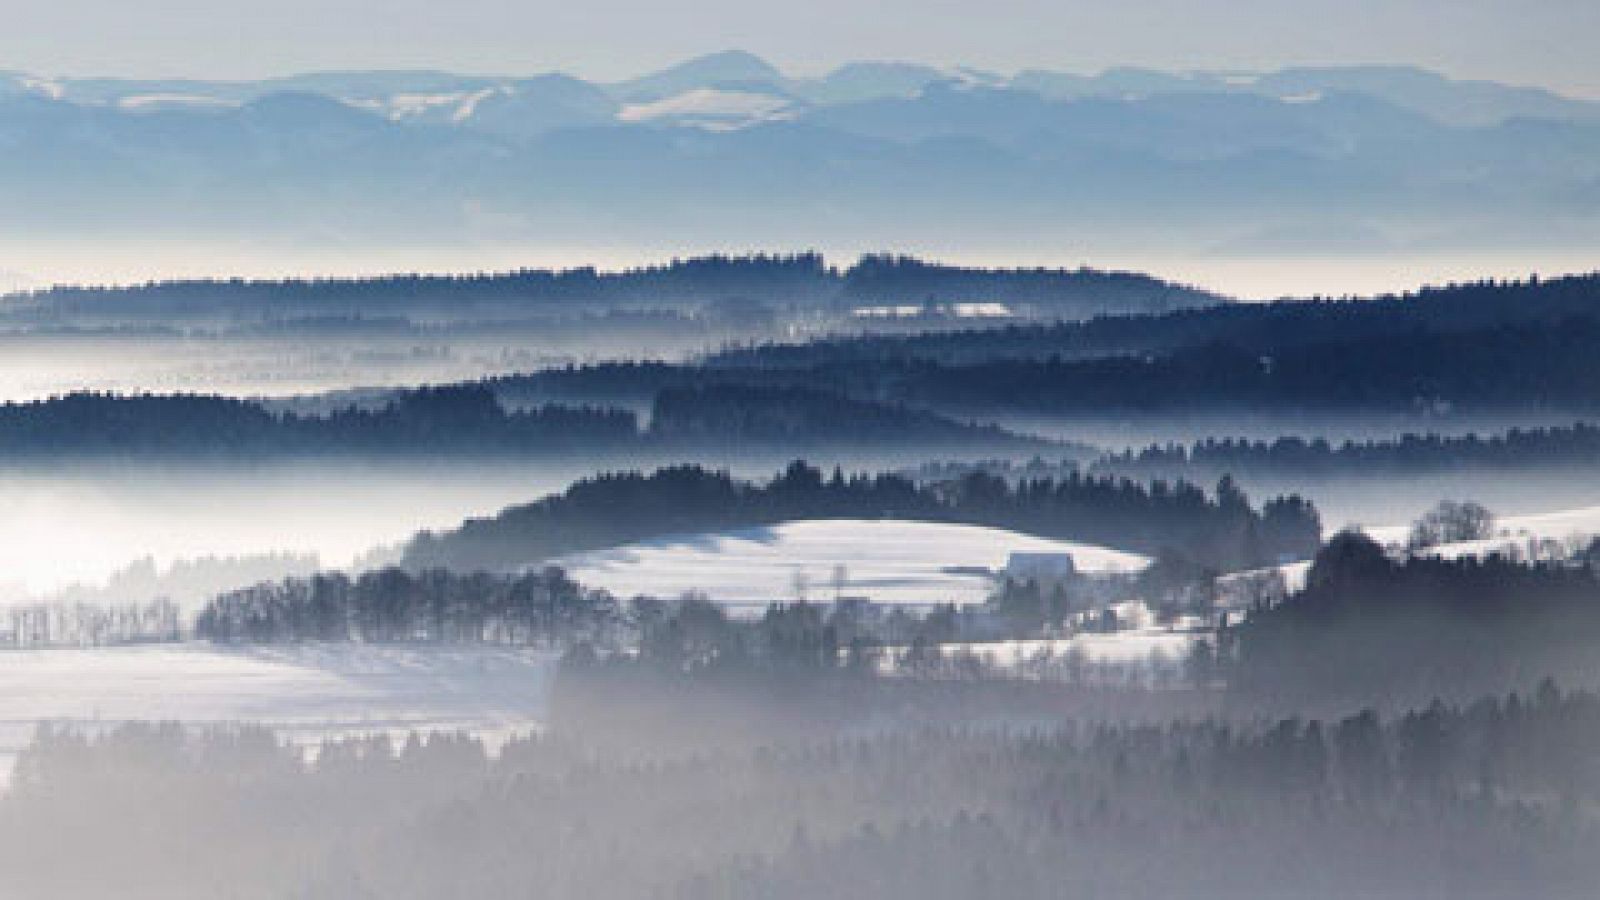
{"points": [[1548, 43]]}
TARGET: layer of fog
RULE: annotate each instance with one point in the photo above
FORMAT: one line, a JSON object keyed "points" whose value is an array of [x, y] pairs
{"points": [[35, 367], [64, 532], [82, 526], [306, 694]]}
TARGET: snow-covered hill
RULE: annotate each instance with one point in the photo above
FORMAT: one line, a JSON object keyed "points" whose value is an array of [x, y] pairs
{"points": [[890, 562]]}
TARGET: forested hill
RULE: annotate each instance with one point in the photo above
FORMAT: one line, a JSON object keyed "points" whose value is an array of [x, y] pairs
{"points": [[726, 285], [469, 421], [1544, 366], [1254, 327], [1221, 530]]}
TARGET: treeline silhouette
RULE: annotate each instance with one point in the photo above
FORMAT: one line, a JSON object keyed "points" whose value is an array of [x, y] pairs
{"points": [[722, 284], [1541, 366], [471, 420], [1516, 448], [793, 417], [1221, 530], [1370, 630], [1482, 801], [595, 632], [544, 608], [1044, 292], [465, 419]]}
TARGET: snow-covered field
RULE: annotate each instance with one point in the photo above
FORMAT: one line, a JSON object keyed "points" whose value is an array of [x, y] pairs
{"points": [[1514, 535], [889, 562], [1514, 532], [305, 692]]}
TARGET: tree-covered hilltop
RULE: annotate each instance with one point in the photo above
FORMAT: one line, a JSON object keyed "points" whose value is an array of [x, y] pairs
{"points": [[1370, 630], [718, 285], [1221, 529]]}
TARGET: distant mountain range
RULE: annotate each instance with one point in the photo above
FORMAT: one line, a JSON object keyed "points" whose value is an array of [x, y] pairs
{"points": [[726, 148], [734, 89]]}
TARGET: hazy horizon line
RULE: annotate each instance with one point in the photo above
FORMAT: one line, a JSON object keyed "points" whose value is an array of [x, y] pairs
{"points": [[799, 72], [1229, 278]]}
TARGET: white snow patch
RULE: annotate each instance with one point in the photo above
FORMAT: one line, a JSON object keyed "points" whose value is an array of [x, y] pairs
{"points": [[458, 106], [156, 102], [983, 310], [711, 109], [1123, 648], [52, 89], [1516, 535], [888, 562], [907, 311]]}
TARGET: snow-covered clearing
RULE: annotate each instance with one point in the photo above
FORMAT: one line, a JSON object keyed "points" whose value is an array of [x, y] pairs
{"points": [[1515, 535], [1513, 532], [305, 692], [888, 562]]}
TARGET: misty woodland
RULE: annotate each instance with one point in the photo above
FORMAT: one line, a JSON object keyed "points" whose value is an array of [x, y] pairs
{"points": [[799, 479]]}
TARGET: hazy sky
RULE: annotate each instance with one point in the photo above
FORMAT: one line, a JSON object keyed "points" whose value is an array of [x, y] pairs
{"points": [[1548, 42]]}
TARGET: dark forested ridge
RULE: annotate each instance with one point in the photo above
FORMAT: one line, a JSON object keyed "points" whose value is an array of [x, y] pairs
{"points": [[1577, 445], [735, 415], [1498, 368], [470, 421], [1221, 530], [723, 285], [1260, 328], [427, 421]]}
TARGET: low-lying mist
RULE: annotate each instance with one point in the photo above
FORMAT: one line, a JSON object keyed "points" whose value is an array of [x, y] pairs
{"points": [[81, 526], [766, 791]]}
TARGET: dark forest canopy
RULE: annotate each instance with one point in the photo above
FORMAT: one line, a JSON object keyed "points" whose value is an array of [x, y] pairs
{"points": [[1516, 448], [471, 421], [1258, 328], [1497, 368], [1221, 530], [719, 283], [426, 421], [735, 415]]}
